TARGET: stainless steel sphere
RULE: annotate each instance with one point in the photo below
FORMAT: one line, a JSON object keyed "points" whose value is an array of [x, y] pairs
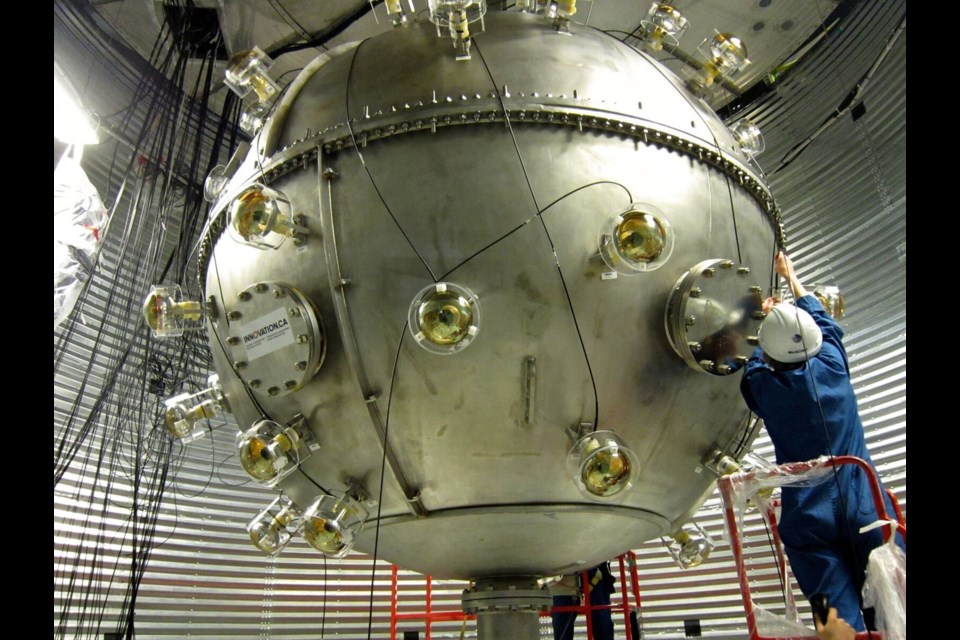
{"points": [[560, 203]]}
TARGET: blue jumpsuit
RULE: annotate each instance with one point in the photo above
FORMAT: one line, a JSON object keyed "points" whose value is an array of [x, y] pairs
{"points": [[600, 590], [819, 525]]}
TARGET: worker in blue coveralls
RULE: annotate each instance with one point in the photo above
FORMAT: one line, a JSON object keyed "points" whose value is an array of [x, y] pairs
{"points": [[798, 381], [601, 586]]}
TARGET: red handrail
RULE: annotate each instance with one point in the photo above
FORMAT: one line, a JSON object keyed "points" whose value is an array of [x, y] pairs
{"points": [[429, 615], [726, 485]]}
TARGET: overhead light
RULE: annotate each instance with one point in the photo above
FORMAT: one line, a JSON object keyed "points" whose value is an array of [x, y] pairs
{"points": [[72, 123], [273, 528], [184, 413], [262, 217], [269, 452], [637, 239], [689, 546], [168, 315], [444, 317], [247, 71], [602, 466], [332, 524]]}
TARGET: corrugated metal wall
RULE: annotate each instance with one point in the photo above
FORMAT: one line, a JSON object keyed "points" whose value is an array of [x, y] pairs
{"points": [[844, 207], [844, 202]]}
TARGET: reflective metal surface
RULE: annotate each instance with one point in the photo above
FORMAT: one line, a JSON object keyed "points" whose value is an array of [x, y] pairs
{"points": [[713, 315], [496, 174], [278, 342]]}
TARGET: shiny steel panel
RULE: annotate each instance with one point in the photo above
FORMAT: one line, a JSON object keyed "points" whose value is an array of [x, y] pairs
{"points": [[513, 211]]}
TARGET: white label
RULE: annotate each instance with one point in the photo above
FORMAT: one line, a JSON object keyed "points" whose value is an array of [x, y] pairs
{"points": [[608, 275], [267, 334], [313, 446]]}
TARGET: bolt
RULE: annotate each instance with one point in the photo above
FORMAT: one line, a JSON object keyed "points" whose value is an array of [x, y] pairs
{"points": [[293, 312], [243, 296], [706, 364], [240, 364], [290, 384], [301, 366], [743, 271], [695, 292], [234, 315], [233, 341], [724, 369], [691, 320], [726, 264], [260, 287], [756, 289], [278, 293], [330, 174], [254, 384], [708, 272], [753, 340], [273, 391], [303, 338], [740, 359], [693, 346]]}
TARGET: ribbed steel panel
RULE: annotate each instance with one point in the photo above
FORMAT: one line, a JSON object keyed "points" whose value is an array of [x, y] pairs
{"points": [[844, 202]]}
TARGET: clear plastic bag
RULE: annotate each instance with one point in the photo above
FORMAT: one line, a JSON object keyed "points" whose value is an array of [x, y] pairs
{"points": [[78, 219], [885, 589], [772, 625]]}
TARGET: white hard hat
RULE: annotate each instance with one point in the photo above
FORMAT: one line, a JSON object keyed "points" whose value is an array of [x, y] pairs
{"points": [[789, 334]]}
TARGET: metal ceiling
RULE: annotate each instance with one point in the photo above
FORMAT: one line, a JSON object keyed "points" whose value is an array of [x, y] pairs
{"points": [[844, 205]]}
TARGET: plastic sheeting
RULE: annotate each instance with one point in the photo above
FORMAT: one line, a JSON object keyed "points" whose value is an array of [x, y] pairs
{"points": [[78, 218], [749, 492], [886, 590], [774, 626]]}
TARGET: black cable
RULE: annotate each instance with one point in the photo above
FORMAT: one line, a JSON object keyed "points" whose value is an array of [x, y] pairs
{"points": [[223, 349], [526, 222], [373, 182], [853, 97], [222, 481], [321, 38], [118, 443], [563, 282], [851, 545], [213, 457], [315, 483], [773, 551]]}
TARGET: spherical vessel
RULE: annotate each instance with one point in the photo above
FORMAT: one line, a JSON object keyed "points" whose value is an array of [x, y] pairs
{"points": [[496, 176]]}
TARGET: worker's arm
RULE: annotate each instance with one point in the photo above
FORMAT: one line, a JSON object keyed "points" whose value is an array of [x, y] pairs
{"points": [[832, 333], [783, 265]]}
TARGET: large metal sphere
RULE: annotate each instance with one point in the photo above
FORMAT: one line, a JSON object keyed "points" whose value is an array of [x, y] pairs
{"points": [[497, 174]]}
